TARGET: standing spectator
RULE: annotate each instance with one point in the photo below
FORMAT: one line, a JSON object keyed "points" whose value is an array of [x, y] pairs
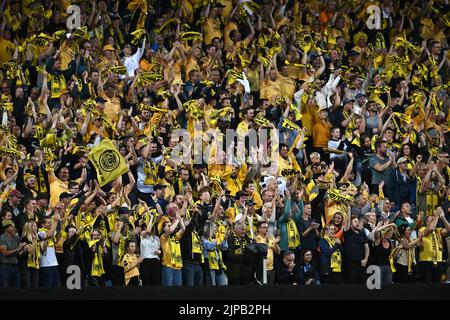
{"points": [[131, 262], [150, 250], [406, 265], [29, 260], [272, 248], [293, 209], [172, 261], [10, 249], [431, 248], [191, 250], [356, 250], [381, 251], [237, 271], [331, 252], [213, 246], [48, 267], [309, 233], [382, 165]]}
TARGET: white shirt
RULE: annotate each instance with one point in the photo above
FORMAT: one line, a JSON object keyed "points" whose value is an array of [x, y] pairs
{"points": [[149, 244], [132, 62], [48, 258]]}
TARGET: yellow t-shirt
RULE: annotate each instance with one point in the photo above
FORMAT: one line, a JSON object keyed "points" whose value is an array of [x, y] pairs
{"points": [[57, 187], [270, 89], [287, 86], [431, 247], [168, 251], [270, 244], [112, 107], [130, 272]]}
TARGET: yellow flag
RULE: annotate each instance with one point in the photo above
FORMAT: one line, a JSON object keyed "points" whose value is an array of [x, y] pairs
{"points": [[108, 162]]}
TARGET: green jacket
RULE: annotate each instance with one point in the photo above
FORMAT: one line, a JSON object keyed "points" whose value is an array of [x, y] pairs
{"points": [[282, 222]]}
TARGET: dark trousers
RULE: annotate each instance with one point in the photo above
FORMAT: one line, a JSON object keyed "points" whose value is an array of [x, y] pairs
{"points": [[402, 275], [429, 272], [333, 278], [192, 274], [117, 276], [134, 282], [354, 272], [150, 271], [9, 275], [49, 277], [206, 274], [95, 281], [29, 277], [238, 275]]}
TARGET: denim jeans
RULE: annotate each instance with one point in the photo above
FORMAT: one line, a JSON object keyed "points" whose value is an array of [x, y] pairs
{"points": [[49, 277], [171, 277], [192, 274], [9, 275], [386, 275], [218, 277]]}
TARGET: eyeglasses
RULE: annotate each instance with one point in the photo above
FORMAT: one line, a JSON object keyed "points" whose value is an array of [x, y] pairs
{"points": [[264, 227]]}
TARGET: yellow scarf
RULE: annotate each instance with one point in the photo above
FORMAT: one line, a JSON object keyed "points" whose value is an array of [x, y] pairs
{"points": [[175, 252], [215, 259], [196, 245], [97, 269], [151, 172], [293, 235], [336, 257], [34, 255]]}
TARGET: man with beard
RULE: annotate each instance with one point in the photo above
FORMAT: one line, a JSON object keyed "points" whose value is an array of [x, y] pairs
{"points": [[287, 160], [236, 179], [243, 127], [383, 166]]}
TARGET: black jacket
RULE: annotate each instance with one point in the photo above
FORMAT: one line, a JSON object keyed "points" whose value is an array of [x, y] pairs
{"points": [[186, 242]]}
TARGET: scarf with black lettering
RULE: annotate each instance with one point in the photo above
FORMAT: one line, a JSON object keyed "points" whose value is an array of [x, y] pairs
{"points": [[293, 235]]}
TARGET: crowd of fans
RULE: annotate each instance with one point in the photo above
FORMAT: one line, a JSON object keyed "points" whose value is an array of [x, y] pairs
{"points": [[354, 101]]}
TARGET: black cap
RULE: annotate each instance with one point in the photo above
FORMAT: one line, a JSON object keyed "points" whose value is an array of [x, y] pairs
{"points": [[65, 195], [218, 5], [354, 53], [100, 100], [240, 194], [348, 101], [159, 186], [123, 210]]}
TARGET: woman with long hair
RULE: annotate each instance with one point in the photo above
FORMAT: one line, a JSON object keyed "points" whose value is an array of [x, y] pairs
{"points": [[381, 251], [29, 261], [405, 257], [150, 251], [337, 221]]}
